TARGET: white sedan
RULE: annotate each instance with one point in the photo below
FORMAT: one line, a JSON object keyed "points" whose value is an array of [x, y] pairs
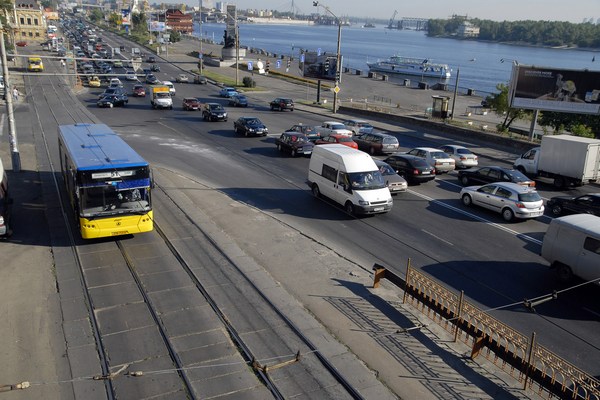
{"points": [[130, 76], [509, 199], [463, 157]]}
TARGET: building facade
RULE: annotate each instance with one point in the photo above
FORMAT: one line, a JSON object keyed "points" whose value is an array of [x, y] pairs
{"points": [[28, 21], [178, 21]]}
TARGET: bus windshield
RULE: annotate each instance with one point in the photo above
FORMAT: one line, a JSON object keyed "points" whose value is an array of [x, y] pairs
{"points": [[107, 199]]}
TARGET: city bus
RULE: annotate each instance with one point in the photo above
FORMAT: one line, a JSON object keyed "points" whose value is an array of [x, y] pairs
{"points": [[35, 64], [107, 183]]}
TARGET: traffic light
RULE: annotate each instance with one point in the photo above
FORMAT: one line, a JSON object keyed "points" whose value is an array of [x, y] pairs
{"points": [[337, 76], [289, 63], [268, 67], [327, 64]]}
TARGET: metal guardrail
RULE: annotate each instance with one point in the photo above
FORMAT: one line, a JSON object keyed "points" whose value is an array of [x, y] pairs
{"points": [[523, 358]]}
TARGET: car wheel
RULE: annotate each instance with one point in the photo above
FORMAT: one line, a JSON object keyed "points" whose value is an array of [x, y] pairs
{"points": [[467, 200], [559, 182], [294, 154], [110, 105], [563, 271], [279, 147], [556, 210], [464, 180], [349, 207], [508, 214], [315, 190], [246, 133], [235, 130]]}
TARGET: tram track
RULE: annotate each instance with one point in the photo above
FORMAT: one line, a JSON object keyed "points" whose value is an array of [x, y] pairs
{"points": [[298, 358]]}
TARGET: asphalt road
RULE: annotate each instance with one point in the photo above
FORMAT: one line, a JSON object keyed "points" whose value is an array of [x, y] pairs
{"points": [[494, 262]]}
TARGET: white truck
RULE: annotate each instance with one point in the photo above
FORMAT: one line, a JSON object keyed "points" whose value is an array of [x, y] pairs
{"points": [[161, 97], [567, 160]]}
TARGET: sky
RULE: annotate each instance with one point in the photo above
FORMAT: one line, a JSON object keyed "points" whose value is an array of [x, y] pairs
{"points": [[496, 10]]}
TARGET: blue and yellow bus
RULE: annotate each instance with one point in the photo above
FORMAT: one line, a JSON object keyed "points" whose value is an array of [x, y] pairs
{"points": [[107, 182]]}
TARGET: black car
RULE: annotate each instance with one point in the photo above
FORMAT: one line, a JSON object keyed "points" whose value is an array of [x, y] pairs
{"points": [[113, 100], [294, 143], [412, 168], [281, 104], [312, 132], [483, 175], [239, 100], [155, 68], [111, 91], [200, 79], [214, 112], [585, 204], [151, 79], [151, 59], [250, 126]]}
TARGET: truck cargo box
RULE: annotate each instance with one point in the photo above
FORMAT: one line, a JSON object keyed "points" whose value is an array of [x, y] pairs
{"points": [[570, 156]]}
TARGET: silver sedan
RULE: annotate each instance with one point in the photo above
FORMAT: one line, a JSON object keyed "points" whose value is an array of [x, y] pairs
{"points": [[509, 199]]}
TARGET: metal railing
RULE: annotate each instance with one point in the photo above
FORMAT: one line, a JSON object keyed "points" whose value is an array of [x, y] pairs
{"points": [[522, 357]]}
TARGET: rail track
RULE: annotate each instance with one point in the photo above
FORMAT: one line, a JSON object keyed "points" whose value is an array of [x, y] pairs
{"points": [[171, 314]]}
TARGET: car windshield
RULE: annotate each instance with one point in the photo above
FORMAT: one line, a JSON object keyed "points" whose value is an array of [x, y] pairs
{"points": [[344, 139], [516, 175], [419, 163], [216, 107], [299, 139], [338, 126], [529, 197], [253, 122], [463, 151], [367, 180], [438, 154], [386, 170], [390, 140]]}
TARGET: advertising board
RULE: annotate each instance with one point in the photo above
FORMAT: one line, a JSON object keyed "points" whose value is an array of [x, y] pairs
{"points": [[555, 89], [318, 65]]}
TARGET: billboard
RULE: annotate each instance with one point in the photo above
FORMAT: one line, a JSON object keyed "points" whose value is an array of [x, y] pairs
{"points": [[318, 66], [554, 89], [156, 26], [125, 17]]}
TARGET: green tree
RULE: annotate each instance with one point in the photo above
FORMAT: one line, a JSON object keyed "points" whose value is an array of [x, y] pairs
{"points": [[578, 124], [115, 19], [96, 15], [500, 103], [175, 37]]}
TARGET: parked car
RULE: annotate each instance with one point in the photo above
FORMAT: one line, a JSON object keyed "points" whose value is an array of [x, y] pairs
{"points": [[412, 168], [214, 112], [509, 199], [483, 175], [356, 125], [113, 100], [584, 204], [281, 103], [249, 126], [139, 90], [238, 100], [335, 127], [155, 68], [182, 78], [395, 183], [228, 92], [341, 139], [190, 104], [435, 157], [463, 157], [377, 143], [200, 79], [312, 132], [295, 143]]}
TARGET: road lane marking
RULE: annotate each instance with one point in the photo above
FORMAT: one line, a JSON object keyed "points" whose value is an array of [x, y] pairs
{"points": [[437, 237], [475, 217]]}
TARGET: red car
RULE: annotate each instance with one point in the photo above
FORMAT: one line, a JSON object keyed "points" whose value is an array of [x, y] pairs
{"points": [[341, 139], [21, 43], [139, 91], [191, 104]]}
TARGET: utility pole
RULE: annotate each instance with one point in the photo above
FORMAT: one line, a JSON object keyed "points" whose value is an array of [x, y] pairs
{"points": [[200, 56], [8, 88]]}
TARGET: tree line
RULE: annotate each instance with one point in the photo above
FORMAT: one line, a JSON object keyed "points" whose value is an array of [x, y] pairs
{"points": [[538, 33]]}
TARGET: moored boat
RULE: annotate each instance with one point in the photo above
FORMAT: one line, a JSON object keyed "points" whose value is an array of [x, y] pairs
{"points": [[411, 66]]}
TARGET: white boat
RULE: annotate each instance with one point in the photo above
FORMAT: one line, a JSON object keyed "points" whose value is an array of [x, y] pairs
{"points": [[411, 66]]}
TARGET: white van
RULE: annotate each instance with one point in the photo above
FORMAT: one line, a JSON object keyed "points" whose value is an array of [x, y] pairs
{"points": [[350, 178], [572, 245]]}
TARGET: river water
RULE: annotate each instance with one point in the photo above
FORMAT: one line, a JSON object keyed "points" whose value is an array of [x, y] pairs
{"points": [[480, 65]]}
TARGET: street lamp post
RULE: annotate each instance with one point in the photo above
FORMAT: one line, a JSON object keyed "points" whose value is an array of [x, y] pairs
{"points": [[338, 60], [200, 56], [8, 94]]}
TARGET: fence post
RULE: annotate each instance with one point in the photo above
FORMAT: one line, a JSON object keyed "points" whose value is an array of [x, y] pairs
{"points": [[529, 359], [406, 286], [379, 275], [457, 318]]}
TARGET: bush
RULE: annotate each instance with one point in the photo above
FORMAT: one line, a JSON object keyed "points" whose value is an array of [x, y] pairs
{"points": [[248, 82]]}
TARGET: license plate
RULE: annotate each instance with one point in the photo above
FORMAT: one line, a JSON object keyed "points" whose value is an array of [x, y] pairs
{"points": [[378, 209], [425, 172], [536, 214]]}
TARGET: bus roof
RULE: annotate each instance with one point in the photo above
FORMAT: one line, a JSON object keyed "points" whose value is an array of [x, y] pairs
{"points": [[96, 146]]}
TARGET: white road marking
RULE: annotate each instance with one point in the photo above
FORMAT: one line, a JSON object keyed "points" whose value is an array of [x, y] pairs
{"points": [[437, 237]]}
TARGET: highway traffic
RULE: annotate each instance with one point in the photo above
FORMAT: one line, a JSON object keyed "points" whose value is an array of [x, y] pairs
{"points": [[496, 263]]}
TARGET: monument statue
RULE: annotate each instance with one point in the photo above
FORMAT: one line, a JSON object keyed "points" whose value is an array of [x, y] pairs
{"points": [[228, 40]]}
